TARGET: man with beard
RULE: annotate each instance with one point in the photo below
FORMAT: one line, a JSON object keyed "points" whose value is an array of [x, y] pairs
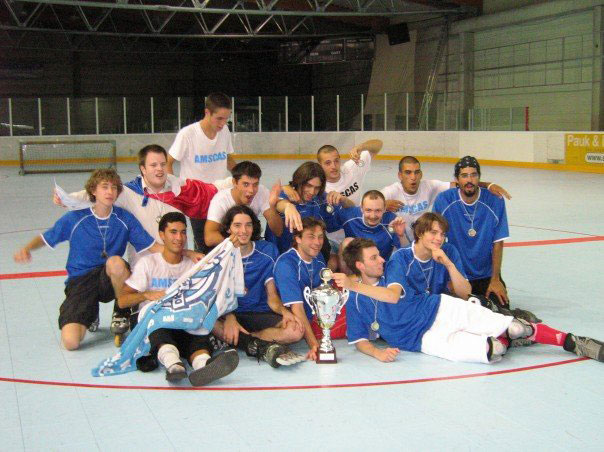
{"points": [[478, 227], [412, 195]]}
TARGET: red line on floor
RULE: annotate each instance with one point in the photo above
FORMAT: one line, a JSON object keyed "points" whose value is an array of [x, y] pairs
{"points": [[281, 388], [597, 238], [32, 274]]}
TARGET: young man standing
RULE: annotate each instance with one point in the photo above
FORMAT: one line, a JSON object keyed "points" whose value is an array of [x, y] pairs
{"points": [[246, 191], [260, 325], [299, 268], [204, 150], [439, 325], [150, 278], [347, 179], [412, 196], [97, 239]]}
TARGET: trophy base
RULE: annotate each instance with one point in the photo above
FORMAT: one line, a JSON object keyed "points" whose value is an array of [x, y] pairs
{"points": [[326, 357]]}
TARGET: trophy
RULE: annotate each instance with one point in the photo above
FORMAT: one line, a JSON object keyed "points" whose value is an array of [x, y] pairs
{"points": [[326, 303]]}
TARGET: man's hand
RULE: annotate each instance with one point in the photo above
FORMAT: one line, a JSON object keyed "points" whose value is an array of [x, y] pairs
{"points": [[291, 194], [392, 205], [499, 191], [232, 328], [273, 197], [355, 154], [334, 198], [22, 256], [497, 287], [292, 220], [195, 256], [57, 200], [312, 352], [289, 318], [233, 238], [386, 355], [398, 224], [440, 256], [153, 295], [342, 280]]}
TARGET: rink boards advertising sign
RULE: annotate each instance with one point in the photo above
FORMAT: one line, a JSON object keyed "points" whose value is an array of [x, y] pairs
{"points": [[584, 148]]}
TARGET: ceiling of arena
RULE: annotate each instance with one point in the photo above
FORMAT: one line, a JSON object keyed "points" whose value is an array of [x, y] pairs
{"points": [[205, 26]]}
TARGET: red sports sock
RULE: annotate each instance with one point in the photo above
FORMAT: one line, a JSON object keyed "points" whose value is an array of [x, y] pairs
{"points": [[504, 340], [547, 335]]}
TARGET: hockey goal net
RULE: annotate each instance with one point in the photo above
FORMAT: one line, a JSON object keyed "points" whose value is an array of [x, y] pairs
{"points": [[66, 156]]}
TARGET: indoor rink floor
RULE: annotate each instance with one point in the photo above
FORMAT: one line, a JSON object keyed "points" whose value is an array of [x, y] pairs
{"points": [[536, 398]]}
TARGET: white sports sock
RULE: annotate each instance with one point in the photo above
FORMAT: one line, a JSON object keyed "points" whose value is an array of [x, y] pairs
{"points": [[200, 361], [168, 355]]}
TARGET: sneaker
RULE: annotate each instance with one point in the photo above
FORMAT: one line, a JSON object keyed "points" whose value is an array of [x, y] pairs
{"points": [[216, 367], [521, 342], [504, 310], [94, 326], [176, 372], [119, 324], [218, 345], [525, 315], [584, 346], [290, 358], [496, 350], [266, 351]]}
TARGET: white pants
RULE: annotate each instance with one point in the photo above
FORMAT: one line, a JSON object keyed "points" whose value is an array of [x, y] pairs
{"points": [[460, 330]]}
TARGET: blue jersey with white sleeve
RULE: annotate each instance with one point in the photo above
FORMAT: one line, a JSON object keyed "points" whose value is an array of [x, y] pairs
{"points": [[89, 236], [429, 276], [257, 272], [402, 325], [293, 274], [351, 220], [315, 208], [473, 228]]}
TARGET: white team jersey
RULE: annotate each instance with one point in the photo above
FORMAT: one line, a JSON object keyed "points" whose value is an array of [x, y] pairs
{"points": [[201, 158], [350, 185], [152, 272], [415, 205], [223, 201], [351, 180]]}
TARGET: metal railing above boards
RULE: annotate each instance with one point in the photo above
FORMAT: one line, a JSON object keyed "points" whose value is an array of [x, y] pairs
{"points": [[43, 116]]}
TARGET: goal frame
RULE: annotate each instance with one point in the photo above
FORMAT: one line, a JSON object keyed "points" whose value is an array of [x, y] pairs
{"points": [[111, 158]]}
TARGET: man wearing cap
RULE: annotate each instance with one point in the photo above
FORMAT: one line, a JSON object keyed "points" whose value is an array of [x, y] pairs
{"points": [[478, 227]]}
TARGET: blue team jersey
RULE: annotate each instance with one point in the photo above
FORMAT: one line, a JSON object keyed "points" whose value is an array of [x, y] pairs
{"points": [[257, 271], [293, 274], [315, 208], [489, 221], [402, 324], [85, 233], [425, 277], [351, 220]]}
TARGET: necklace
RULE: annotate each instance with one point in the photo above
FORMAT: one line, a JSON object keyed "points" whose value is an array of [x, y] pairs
{"points": [[160, 204], [245, 261], [424, 271], [471, 231], [104, 254], [375, 324]]}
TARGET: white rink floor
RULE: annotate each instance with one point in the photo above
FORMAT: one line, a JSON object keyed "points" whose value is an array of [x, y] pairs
{"points": [[538, 398]]}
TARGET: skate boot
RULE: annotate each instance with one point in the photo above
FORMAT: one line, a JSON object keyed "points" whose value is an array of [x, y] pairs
{"points": [[584, 346], [271, 352], [119, 327], [216, 367], [94, 326], [496, 307]]}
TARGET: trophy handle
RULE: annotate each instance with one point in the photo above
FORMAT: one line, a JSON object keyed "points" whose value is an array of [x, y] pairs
{"points": [[343, 299], [308, 299]]}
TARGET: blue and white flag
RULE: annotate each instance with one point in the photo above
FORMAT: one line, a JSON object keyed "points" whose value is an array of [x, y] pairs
{"points": [[195, 300]]}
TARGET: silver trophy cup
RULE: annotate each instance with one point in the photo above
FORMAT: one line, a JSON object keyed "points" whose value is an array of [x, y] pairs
{"points": [[326, 303]]}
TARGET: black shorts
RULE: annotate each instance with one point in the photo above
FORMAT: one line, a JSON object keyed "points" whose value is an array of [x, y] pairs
{"points": [[83, 294], [480, 286], [185, 342], [257, 321]]}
